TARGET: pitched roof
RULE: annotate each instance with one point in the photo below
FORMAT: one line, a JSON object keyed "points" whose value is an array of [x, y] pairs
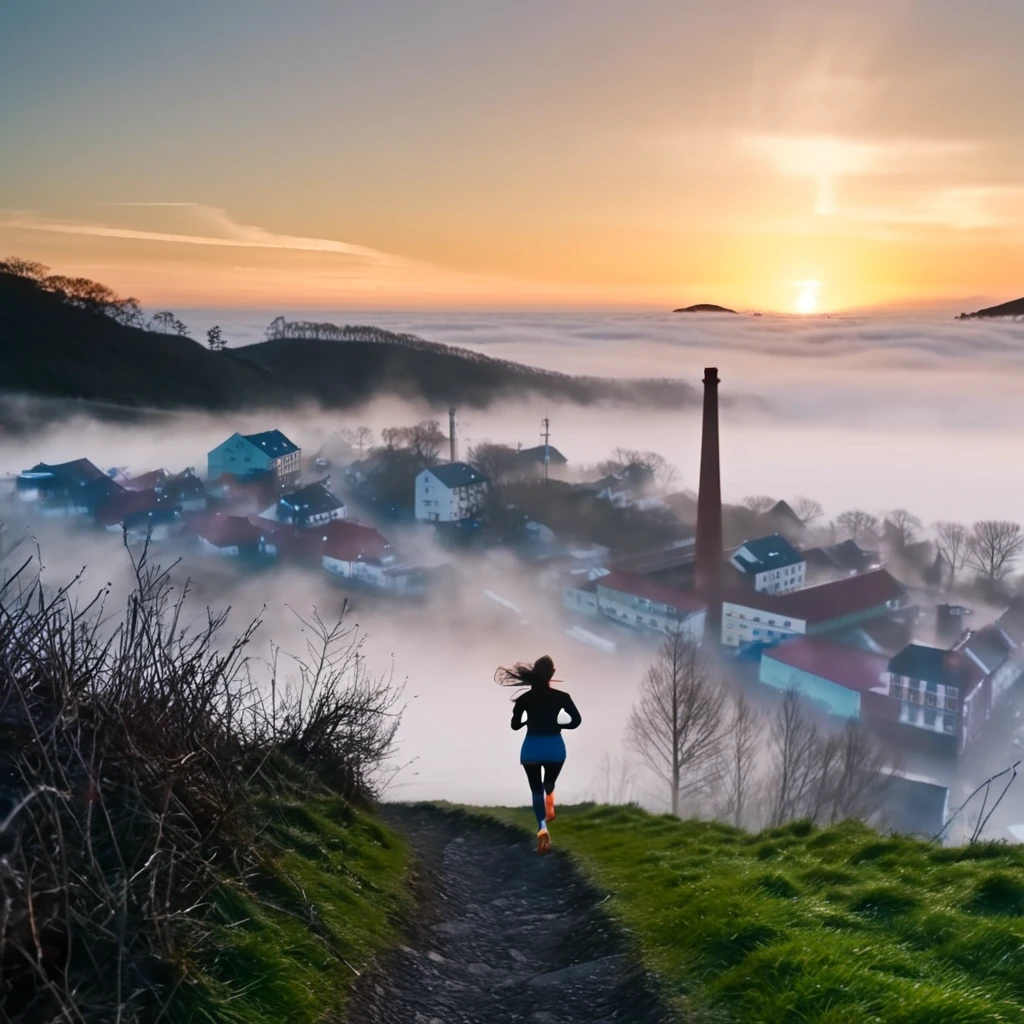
{"points": [[225, 531], [848, 667], [128, 503], [988, 647], [783, 510], [1011, 622], [78, 471], [351, 542], [273, 442], [936, 665], [537, 454], [772, 552], [146, 481], [457, 474], [826, 601], [311, 500], [642, 586], [848, 554]]}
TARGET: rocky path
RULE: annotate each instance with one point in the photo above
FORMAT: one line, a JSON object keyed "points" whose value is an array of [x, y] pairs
{"points": [[506, 936]]}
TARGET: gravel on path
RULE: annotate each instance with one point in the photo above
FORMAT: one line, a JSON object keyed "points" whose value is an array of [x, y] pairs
{"points": [[503, 935]]}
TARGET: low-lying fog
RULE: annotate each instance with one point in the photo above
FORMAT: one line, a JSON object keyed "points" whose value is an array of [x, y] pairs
{"points": [[870, 413]]}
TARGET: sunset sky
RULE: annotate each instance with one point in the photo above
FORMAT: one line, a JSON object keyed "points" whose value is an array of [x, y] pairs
{"points": [[567, 153]]}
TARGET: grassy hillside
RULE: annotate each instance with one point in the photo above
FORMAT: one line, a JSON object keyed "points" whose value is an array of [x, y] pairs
{"points": [[818, 926], [286, 945]]}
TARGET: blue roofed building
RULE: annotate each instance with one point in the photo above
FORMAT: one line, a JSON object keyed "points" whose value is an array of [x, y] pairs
{"points": [[266, 454], [771, 565], [450, 493]]}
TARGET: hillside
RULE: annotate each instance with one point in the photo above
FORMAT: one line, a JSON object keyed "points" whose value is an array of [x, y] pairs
{"points": [[50, 348], [704, 307], [824, 926], [1013, 308]]}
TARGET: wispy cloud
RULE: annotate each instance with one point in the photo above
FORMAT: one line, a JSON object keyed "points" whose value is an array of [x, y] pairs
{"points": [[225, 232]]}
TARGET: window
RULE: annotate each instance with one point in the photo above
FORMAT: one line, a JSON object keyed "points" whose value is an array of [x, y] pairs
{"points": [[728, 625], [951, 703], [757, 632], [787, 623]]}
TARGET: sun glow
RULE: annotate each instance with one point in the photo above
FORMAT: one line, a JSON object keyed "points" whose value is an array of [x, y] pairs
{"points": [[807, 296]]}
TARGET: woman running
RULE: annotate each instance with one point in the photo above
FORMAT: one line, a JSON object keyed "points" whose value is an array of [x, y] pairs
{"points": [[543, 751]]}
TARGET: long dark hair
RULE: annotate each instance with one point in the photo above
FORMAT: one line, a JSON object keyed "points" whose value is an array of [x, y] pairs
{"points": [[538, 675]]}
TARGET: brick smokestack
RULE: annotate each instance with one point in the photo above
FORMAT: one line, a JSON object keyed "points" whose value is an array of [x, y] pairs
{"points": [[451, 436], [708, 570]]}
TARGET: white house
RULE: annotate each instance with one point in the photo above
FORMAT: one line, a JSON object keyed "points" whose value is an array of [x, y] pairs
{"points": [[308, 507], [771, 564], [637, 602], [450, 493]]}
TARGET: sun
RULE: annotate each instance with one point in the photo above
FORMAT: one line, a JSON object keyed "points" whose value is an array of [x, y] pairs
{"points": [[807, 296]]}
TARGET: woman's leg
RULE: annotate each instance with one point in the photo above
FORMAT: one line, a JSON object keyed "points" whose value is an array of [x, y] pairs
{"points": [[533, 775], [551, 770]]}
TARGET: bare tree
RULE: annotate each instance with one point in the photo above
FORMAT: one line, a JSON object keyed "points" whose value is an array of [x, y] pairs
{"points": [[663, 473], [807, 509], [615, 781], [993, 547], [496, 461], [952, 540], [739, 758], [424, 439], [759, 503], [857, 523], [163, 321], [905, 526], [862, 776], [793, 739], [359, 438], [677, 725]]}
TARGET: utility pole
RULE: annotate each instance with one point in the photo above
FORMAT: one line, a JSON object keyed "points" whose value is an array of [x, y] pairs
{"points": [[546, 435]]}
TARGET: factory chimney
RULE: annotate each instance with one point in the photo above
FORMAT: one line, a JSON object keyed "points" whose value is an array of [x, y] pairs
{"points": [[708, 569], [453, 440]]}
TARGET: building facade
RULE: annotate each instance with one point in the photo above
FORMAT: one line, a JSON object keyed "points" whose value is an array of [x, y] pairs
{"points": [[269, 453], [771, 564], [450, 493]]}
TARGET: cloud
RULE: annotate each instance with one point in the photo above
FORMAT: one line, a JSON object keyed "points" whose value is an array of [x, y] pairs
{"points": [[227, 233]]}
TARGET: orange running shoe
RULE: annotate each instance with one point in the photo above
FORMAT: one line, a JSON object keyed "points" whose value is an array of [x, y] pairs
{"points": [[543, 841], [549, 807]]}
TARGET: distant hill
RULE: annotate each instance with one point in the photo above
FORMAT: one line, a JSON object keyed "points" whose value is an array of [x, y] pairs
{"points": [[1013, 308], [704, 307], [49, 348]]}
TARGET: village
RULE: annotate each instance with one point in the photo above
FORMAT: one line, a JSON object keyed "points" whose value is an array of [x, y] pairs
{"points": [[865, 627]]}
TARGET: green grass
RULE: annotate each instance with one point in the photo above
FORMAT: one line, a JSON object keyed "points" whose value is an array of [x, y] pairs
{"points": [[285, 947], [800, 925]]}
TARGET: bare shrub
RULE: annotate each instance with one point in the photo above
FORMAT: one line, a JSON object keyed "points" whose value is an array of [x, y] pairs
{"points": [[130, 754]]}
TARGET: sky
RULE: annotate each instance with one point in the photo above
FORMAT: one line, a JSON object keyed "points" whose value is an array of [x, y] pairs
{"points": [[781, 156]]}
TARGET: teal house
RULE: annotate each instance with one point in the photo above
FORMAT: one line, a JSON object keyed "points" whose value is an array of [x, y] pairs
{"points": [[267, 454], [845, 682]]}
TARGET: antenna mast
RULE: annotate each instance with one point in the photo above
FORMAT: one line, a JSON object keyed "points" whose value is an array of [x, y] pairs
{"points": [[546, 437]]}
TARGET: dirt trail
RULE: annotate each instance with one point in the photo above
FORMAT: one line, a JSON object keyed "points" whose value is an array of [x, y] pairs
{"points": [[506, 936]]}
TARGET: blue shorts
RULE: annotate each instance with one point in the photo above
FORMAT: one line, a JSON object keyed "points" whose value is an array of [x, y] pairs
{"points": [[539, 749]]}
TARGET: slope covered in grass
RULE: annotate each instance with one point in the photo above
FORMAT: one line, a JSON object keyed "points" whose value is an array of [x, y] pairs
{"points": [[818, 926], [287, 944]]}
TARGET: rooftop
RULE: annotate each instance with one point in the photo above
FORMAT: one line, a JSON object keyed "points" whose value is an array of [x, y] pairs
{"points": [[457, 474], [351, 542], [273, 442], [225, 531], [848, 667], [78, 471], [766, 553], [936, 665], [313, 499], [988, 647], [827, 601], [641, 586], [537, 455]]}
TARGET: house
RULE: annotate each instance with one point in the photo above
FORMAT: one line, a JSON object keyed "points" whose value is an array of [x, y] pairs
{"points": [[637, 602], [450, 493], [934, 687], [184, 489], [913, 805], [756, 617], [145, 481], [74, 488], [771, 564], [782, 519], [847, 558], [531, 462], [229, 536], [310, 506], [359, 553], [152, 524], [269, 453], [127, 504], [841, 681]]}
